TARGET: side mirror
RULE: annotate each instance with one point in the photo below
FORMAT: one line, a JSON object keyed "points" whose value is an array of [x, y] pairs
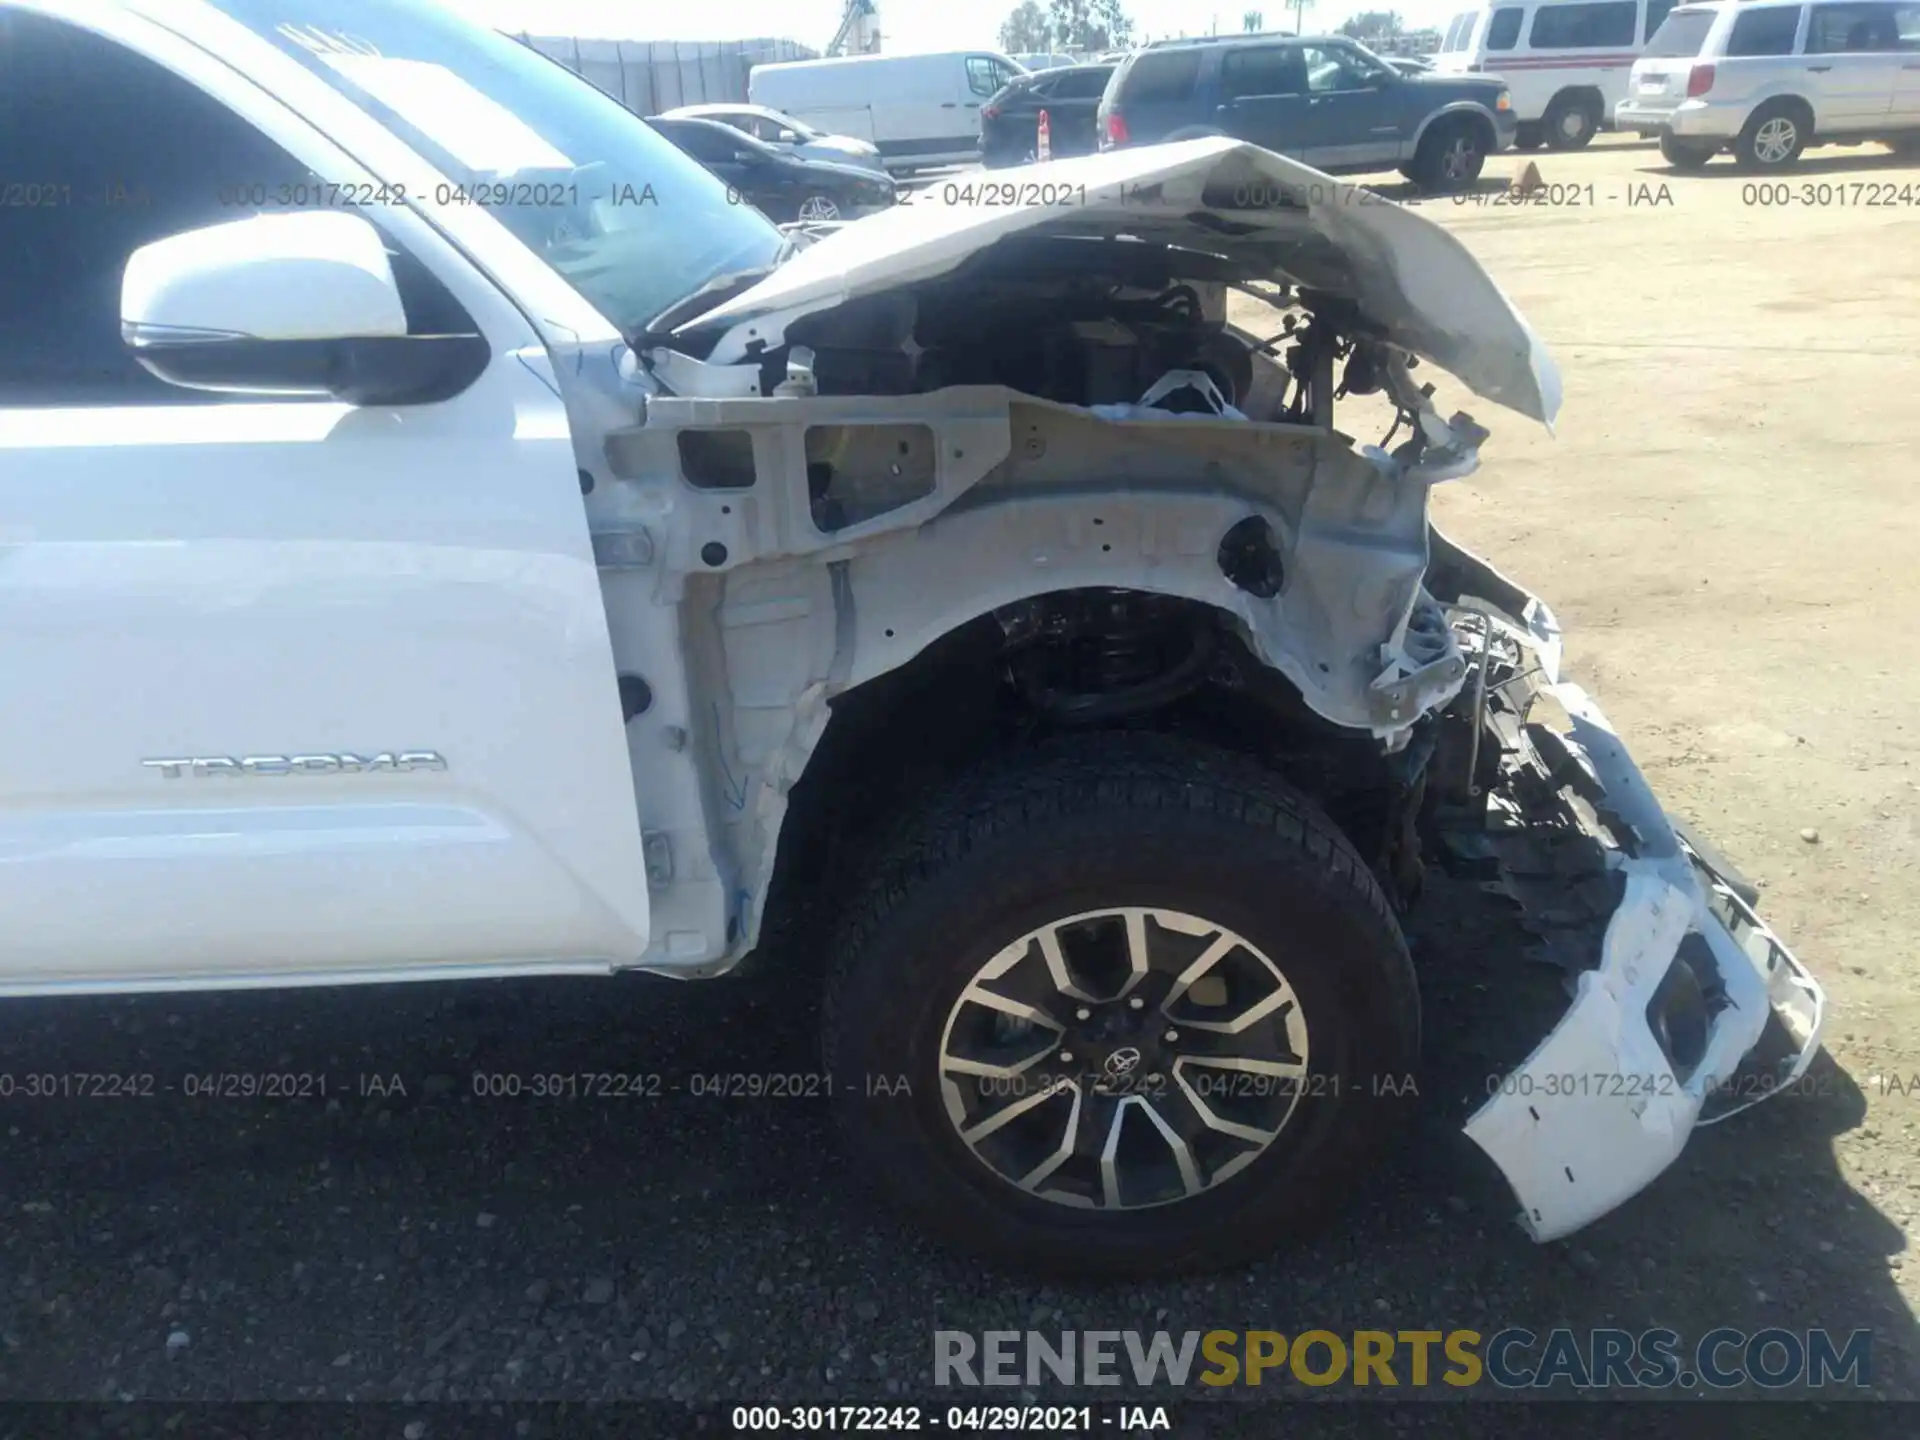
{"points": [[293, 304], [749, 158]]}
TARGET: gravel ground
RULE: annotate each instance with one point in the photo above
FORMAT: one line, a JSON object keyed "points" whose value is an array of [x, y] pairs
{"points": [[440, 1245]]}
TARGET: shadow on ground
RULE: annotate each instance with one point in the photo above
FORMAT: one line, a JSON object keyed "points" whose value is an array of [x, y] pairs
{"points": [[1869, 163]]}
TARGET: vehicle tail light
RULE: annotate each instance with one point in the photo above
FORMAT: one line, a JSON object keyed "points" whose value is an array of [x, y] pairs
{"points": [[1699, 80], [1116, 128]]}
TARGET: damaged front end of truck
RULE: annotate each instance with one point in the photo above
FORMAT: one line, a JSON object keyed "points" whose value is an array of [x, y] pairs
{"points": [[1007, 430]]}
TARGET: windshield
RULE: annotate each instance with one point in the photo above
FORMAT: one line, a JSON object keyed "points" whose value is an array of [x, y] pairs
{"points": [[623, 216], [798, 127], [1680, 35]]}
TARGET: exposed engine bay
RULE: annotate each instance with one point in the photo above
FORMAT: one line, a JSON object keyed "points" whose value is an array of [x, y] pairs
{"points": [[976, 475], [1101, 324]]}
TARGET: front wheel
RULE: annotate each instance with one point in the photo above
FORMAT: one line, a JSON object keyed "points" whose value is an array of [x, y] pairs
{"points": [[818, 209], [1124, 1009], [1450, 157]]}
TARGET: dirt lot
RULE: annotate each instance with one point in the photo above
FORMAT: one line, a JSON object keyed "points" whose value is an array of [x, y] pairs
{"points": [[1722, 524]]}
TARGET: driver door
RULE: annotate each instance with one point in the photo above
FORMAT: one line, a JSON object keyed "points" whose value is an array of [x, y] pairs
{"points": [[295, 690], [1351, 115], [727, 154]]}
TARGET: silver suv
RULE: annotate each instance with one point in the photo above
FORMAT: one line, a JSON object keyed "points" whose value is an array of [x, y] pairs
{"points": [[1768, 80]]}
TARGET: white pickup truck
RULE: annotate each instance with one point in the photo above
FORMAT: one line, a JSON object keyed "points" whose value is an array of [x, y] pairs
{"points": [[442, 537]]}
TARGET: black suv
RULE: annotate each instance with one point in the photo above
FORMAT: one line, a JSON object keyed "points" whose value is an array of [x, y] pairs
{"points": [[1070, 94], [1320, 99]]}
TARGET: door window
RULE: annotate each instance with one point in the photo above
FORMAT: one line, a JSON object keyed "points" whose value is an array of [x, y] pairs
{"points": [[1503, 33], [1161, 77], [706, 141], [1458, 29], [1656, 13], [1851, 30], [985, 75], [1334, 67], [1767, 31], [1263, 70], [121, 152], [1584, 27], [1082, 84]]}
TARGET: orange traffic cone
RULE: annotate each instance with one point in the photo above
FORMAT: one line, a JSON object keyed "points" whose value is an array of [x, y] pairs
{"points": [[1043, 146]]}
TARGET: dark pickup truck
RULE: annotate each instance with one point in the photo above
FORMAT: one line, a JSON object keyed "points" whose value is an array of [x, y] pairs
{"points": [[1323, 100]]}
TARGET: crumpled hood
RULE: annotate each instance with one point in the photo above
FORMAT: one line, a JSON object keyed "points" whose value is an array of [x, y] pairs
{"points": [[1273, 217]]}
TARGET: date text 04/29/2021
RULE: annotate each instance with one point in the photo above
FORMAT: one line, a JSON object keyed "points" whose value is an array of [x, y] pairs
{"points": [[1120, 1419]]}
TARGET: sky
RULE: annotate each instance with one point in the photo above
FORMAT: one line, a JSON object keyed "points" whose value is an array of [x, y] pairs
{"points": [[905, 25]]}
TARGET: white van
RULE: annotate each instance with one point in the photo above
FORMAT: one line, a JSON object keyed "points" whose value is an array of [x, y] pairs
{"points": [[1566, 62], [917, 109]]}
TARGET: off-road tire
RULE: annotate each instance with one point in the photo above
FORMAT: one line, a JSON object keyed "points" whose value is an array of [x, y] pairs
{"points": [[1429, 168], [1750, 150], [1687, 154], [1114, 820]]}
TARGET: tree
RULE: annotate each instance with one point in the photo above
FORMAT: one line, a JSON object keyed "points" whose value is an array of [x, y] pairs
{"points": [[1116, 24], [1025, 31], [1372, 25], [1087, 27], [1300, 8], [1251, 21], [1070, 20]]}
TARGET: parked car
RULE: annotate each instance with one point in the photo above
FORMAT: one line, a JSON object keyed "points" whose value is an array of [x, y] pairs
{"points": [[917, 110], [1766, 81], [1323, 99], [1044, 61], [1565, 62], [785, 132], [1009, 122], [1408, 64], [447, 539], [782, 185]]}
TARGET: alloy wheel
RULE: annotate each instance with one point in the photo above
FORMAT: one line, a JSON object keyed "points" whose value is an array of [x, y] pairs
{"points": [[1774, 141], [1456, 161], [1123, 1058]]}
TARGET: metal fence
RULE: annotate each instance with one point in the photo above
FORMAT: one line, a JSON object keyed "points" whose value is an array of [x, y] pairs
{"points": [[648, 76]]}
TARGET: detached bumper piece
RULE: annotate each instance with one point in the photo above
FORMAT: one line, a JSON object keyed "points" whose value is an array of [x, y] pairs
{"points": [[1686, 1007]]}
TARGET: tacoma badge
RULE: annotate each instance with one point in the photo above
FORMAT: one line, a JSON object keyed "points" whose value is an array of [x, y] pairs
{"points": [[341, 764]]}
